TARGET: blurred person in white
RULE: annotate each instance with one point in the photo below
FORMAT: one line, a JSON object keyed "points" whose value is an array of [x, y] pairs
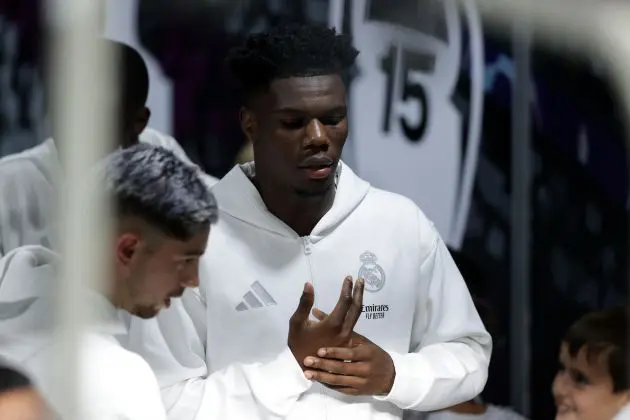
{"points": [[592, 382], [474, 409], [30, 180], [163, 215], [298, 213], [19, 400]]}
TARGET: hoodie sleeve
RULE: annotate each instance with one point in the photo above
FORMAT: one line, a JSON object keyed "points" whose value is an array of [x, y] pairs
{"points": [[22, 210], [450, 348], [189, 391]]}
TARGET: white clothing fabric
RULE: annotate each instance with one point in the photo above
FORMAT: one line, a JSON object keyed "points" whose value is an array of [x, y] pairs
{"points": [[624, 414], [493, 412], [29, 183], [116, 383], [417, 306]]}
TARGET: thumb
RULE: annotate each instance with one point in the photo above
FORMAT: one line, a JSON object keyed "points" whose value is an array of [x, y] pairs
{"points": [[306, 303]]}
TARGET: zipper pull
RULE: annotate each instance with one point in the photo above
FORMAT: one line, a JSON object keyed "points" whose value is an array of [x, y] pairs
{"points": [[308, 246]]}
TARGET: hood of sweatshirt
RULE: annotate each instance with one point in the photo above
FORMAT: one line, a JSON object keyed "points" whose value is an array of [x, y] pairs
{"points": [[238, 197], [27, 280], [29, 294]]}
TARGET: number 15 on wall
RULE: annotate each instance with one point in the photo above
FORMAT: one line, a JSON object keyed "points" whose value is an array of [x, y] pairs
{"points": [[398, 64]]}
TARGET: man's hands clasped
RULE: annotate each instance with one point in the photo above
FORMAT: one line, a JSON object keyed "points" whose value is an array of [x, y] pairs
{"points": [[331, 353], [362, 368], [306, 337]]}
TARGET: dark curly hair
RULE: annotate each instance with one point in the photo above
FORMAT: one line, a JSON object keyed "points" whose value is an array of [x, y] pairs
{"points": [[290, 50]]}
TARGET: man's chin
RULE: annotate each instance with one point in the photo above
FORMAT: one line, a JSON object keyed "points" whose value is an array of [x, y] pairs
{"points": [[145, 312], [314, 191]]}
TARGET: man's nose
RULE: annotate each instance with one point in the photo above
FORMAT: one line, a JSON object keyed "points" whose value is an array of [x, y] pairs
{"points": [[191, 277], [316, 135], [191, 281]]}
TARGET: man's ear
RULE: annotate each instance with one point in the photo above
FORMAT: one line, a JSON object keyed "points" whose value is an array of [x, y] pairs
{"points": [[249, 124], [141, 120], [127, 247]]}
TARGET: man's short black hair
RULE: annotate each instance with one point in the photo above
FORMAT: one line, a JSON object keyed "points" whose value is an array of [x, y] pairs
{"points": [[290, 50], [133, 75], [603, 332]]}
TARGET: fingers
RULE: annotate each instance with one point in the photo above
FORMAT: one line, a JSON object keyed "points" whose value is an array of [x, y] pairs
{"points": [[303, 310], [339, 382], [338, 315], [337, 367], [354, 313], [356, 354], [319, 314]]}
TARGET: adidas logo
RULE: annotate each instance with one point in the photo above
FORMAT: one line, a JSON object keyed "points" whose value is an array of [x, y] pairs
{"points": [[256, 297]]}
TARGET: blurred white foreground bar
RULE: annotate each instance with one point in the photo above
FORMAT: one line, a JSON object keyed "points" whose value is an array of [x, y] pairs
{"points": [[83, 85]]}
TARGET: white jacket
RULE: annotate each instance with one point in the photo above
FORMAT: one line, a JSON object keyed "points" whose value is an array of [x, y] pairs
{"points": [[29, 184], [115, 383], [417, 306]]}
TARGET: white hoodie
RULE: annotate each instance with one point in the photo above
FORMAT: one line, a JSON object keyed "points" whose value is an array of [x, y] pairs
{"points": [[29, 184], [115, 383], [417, 306]]}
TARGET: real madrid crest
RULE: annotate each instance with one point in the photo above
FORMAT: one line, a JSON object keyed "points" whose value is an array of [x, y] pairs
{"points": [[371, 272]]}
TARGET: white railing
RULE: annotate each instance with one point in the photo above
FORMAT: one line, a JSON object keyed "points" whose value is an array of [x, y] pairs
{"points": [[83, 89]]}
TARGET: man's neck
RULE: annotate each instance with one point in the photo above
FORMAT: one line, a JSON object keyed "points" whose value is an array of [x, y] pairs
{"points": [[116, 295], [299, 213], [469, 407]]}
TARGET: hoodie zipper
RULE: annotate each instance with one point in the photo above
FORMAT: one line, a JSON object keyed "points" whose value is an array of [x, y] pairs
{"points": [[308, 249]]}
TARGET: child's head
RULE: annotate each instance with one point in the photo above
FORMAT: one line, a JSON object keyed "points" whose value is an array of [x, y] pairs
{"points": [[592, 382]]}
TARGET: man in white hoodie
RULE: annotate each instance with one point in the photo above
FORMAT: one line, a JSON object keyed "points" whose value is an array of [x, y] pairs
{"points": [[163, 213], [30, 180], [298, 213]]}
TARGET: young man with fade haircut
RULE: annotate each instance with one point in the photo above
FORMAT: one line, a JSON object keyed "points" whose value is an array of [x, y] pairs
{"points": [[30, 180], [297, 213], [592, 382], [163, 215]]}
